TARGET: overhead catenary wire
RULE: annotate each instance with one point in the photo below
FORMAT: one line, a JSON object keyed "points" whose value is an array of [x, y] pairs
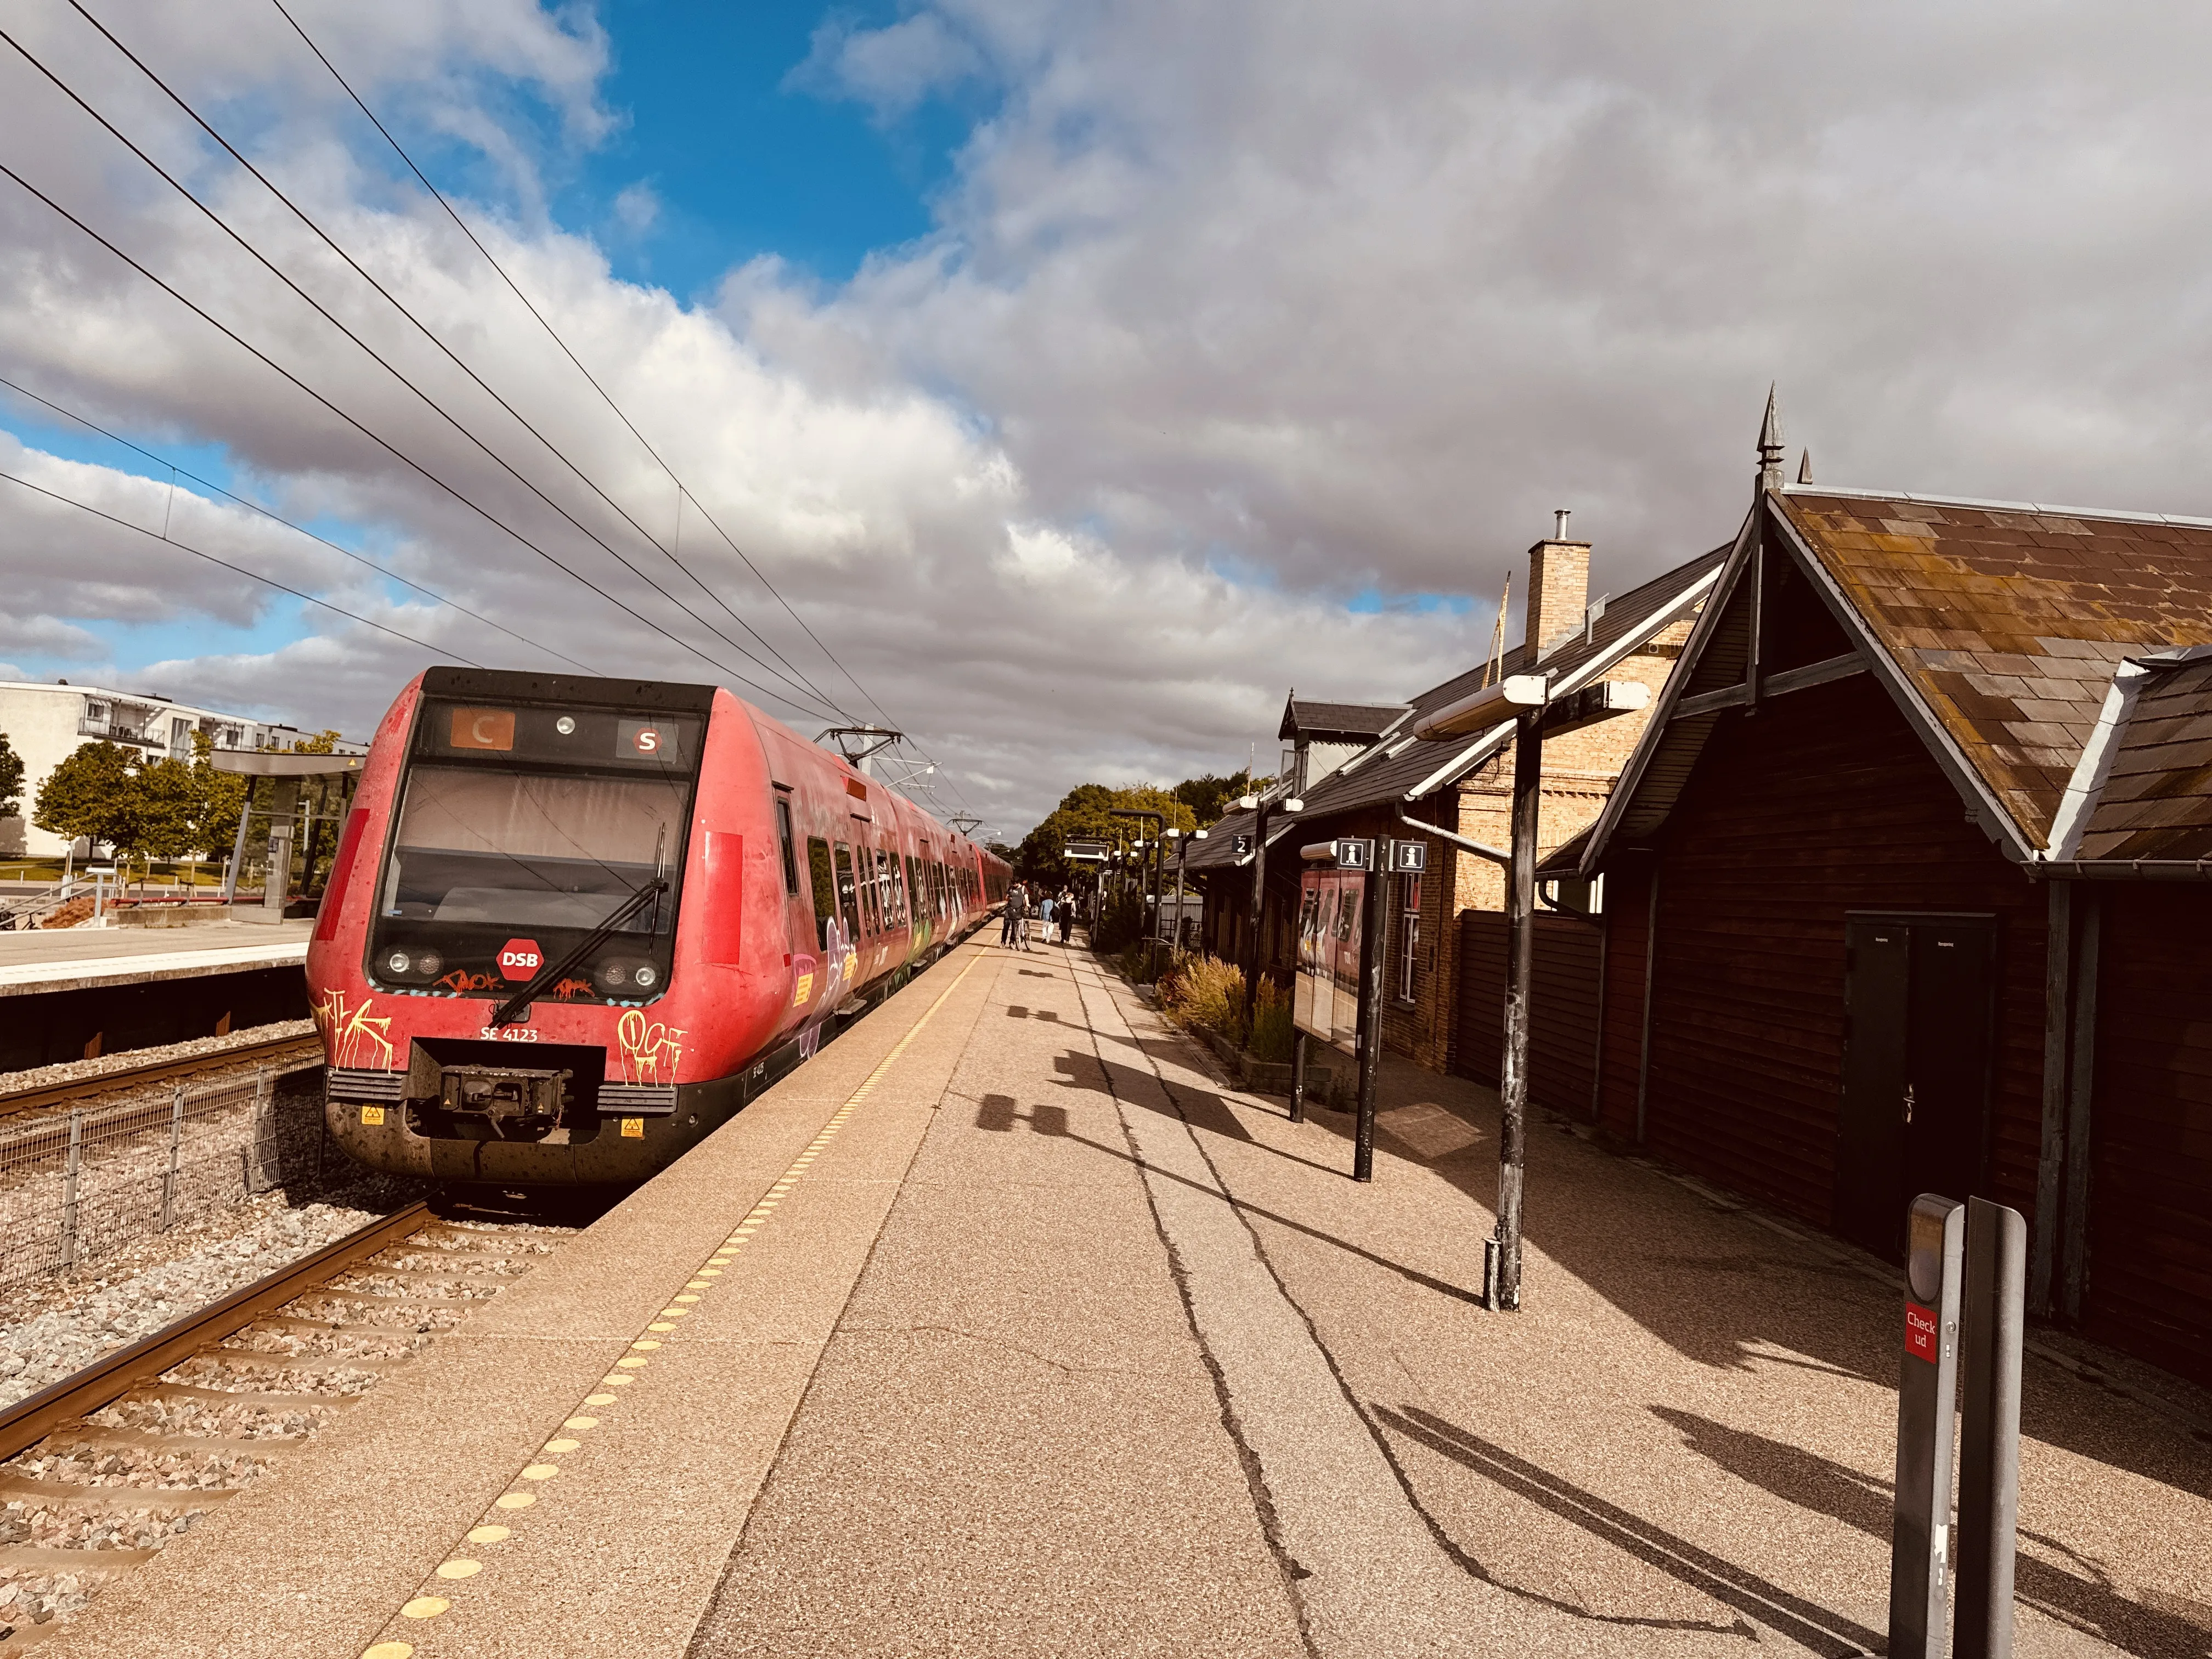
{"points": [[251, 576], [374, 437], [275, 518], [797, 678], [684, 492], [424, 398]]}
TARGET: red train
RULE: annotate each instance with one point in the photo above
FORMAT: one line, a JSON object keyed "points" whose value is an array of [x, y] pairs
{"points": [[574, 925]]}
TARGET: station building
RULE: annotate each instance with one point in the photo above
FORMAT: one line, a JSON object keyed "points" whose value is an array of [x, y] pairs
{"points": [[1360, 772], [45, 724], [1908, 886]]}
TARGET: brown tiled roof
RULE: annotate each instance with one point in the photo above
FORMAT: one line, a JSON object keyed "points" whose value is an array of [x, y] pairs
{"points": [[2010, 621], [2156, 802]]}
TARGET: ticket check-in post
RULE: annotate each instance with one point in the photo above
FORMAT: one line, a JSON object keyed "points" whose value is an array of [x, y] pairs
{"points": [[1965, 1303], [1920, 1536]]}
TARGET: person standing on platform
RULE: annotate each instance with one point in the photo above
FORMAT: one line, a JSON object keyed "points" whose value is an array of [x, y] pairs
{"points": [[1010, 914], [1066, 917], [1046, 908]]}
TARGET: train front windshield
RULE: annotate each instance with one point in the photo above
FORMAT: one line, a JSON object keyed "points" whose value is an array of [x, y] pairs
{"points": [[522, 829]]}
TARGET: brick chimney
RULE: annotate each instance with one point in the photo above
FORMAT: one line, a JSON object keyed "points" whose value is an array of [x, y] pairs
{"points": [[1559, 588]]}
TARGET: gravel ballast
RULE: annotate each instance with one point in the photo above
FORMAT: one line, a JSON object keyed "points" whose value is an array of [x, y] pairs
{"points": [[84, 1320]]}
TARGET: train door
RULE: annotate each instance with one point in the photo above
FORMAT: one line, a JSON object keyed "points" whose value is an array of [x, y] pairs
{"points": [[1919, 997]]}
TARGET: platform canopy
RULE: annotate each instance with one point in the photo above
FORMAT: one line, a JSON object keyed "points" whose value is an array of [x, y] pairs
{"points": [[258, 763]]}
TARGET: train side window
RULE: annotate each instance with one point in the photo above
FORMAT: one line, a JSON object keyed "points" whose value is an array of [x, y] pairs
{"points": [[790, 859], [848, 903], [916, 886], [871, 894], [825, 887], [888, 888]]}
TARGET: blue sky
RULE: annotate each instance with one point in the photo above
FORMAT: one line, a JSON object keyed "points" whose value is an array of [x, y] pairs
{"points": [[744, 161]]}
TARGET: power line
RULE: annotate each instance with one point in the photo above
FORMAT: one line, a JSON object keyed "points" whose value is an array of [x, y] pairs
{"points": [[255, 507], [427, 401], [398, 454], [684, 491], [267, 581], [800, 682]]}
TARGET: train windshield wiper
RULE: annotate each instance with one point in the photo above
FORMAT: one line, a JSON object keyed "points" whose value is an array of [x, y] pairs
{"points": [[511, 1009]]}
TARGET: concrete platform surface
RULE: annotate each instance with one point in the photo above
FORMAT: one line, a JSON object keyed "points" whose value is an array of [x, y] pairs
{"points": [[1005, 1328], [77, 958]]}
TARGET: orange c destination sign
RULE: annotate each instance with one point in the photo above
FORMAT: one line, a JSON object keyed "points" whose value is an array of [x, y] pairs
{"points": [[483, 728]]}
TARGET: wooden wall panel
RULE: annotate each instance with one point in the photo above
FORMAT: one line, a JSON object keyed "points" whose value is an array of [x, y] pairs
{"points": [[2150, 1283], [1822, 803], [1562, 1007]]}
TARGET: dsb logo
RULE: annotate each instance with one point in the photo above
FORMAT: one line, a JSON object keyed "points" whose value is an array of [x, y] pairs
{"points": [[519, 958]]}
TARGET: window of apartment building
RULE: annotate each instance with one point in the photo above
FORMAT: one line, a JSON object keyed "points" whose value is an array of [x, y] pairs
{"points": [[1409, 937]]}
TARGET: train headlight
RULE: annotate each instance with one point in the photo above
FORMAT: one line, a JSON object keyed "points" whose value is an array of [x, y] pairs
{"points": [[399, 964], [566, 725], [612, 975], [646, 976], [428, 964]]}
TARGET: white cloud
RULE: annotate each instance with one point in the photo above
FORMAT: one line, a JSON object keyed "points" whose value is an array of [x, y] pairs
{"points": [[636, 208], [892, 69]]}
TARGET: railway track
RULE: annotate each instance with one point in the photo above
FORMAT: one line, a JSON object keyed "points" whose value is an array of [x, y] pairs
{"points": [[265, 1052], [100, 1469]]}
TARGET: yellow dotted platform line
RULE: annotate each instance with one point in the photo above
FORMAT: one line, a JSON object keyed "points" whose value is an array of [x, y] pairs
{"points": [[431, 1600]]}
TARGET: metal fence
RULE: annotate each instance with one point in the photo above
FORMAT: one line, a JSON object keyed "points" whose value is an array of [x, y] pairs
{"points": [[76, 1188]]}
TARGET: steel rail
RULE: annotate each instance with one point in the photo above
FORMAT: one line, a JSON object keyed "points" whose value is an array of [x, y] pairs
{"points": [[132, 1077], [23, 1424]]}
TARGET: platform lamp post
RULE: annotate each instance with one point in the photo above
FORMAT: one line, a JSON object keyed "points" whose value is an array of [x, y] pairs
{"points": [[1151, 847], [1521, 699], [1183, 839], [1261, 809]]}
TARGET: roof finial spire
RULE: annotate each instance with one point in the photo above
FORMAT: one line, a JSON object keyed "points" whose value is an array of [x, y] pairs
{"points": [[1770, 444], [1805, 466]]}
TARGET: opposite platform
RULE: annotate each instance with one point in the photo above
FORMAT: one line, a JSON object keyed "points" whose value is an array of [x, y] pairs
{"points": [[83, 958]]}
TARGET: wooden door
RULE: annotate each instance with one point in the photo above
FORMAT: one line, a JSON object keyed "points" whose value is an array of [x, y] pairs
{"points": [[1914, 1117]]}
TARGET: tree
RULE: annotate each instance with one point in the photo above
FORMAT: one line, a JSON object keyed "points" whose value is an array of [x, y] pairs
{"points": [[89, 794], [164, 805], [1209, 796], [219, 799], [1086, 811], [11, 779], [324, 742]]}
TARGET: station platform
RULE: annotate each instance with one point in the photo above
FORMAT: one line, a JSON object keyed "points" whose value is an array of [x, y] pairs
{"points": [[86, 958], [70, 993], [1004, 1327]]}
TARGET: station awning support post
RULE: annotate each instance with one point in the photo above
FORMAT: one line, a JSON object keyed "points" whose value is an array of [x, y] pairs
{"points": [[1501, 1279], [1370, 1017]]}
